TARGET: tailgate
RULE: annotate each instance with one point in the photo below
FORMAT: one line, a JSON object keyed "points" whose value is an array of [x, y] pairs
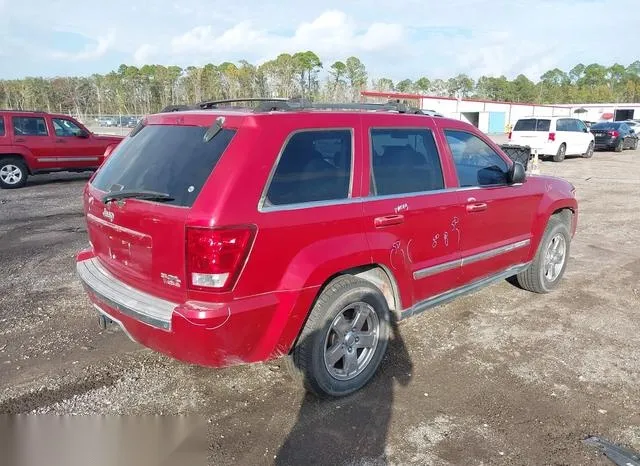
{"points": [[142, 241]]}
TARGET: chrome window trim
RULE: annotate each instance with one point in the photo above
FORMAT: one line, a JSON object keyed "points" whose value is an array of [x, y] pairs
{"points": [[454, 293], [372, 175], [262, 202], [445, 266]]}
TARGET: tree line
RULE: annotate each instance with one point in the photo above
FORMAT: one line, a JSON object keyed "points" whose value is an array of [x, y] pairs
{"points": [[149, 88]]}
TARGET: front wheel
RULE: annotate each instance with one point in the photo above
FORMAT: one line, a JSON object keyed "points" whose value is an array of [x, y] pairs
{"points": [[550, 261], [590, 149], [344, 340], [560, 155], [635, 145]]}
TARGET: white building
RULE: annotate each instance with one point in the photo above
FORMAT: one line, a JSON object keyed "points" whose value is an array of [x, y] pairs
{"points": [[493, 117], [605, 112]]}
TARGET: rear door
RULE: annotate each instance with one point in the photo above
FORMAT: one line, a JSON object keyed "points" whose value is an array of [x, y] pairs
{"points": [[412, 219], [143, 242], [495, 229], [627, 135], [32, 132], [74, 147]]}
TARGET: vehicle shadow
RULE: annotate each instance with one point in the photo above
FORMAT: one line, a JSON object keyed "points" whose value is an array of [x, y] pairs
{"points": [[350, 430]]}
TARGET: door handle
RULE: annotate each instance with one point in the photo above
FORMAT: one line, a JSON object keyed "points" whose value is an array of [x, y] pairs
{"points": [[388, 220], [60, 140], [478, 207], [19, 139]]}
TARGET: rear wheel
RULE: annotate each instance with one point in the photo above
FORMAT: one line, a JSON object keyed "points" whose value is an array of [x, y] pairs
{"points": [[550, 261], [635, 145], [344, 340], [620, 146], [590, 149], [13, 173], [562, 152]]}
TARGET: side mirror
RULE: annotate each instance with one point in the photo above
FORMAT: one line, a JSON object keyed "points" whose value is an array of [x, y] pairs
{"points": [[517, 173], [83, 134], [586, 130]]}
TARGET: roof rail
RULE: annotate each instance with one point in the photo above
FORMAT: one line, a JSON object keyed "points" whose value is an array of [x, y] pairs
{"points": [[21, 111], [270, 104], [208, 104]]}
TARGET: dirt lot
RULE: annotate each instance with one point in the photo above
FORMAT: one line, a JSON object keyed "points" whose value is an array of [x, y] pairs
{"points": [[499, 377]]}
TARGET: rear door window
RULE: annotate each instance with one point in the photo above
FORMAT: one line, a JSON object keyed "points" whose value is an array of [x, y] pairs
{"points": [[172, 160], [314, 166], [2, 130], [29, 126], [404, 161]]}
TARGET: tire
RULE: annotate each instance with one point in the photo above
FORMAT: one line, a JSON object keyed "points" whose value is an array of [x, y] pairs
{"points": [[562, 152], [620, 146], [13, 173], [535, 279], [590, 149], [329, 326], [635, 145]]}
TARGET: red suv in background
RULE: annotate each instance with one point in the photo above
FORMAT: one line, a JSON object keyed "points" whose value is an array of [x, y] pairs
{"points": [[35, 142], [225, 236]]}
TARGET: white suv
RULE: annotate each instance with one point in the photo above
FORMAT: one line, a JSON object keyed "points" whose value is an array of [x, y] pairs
{"points": [[554, 136]]}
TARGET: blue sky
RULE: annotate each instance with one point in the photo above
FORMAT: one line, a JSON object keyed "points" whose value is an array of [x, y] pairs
{"points": [[394, 38]]}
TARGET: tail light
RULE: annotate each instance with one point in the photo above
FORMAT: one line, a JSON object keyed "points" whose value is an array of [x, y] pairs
{"points": [[552, 137], [613, 134], [215, 256], [109, 150], [510, 134]]}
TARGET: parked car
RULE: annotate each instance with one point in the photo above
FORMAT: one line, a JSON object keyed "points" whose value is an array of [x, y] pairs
{"points": [[554, 136], [36, 142], [302, 232], [633, 125], [615, 135]]}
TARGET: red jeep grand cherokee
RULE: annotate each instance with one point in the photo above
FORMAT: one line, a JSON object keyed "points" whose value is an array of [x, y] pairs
{"points": [[224, 236], [35, 142]]}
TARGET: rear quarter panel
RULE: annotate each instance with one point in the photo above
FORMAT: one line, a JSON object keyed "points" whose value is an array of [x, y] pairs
{"points": [[296, 249]]}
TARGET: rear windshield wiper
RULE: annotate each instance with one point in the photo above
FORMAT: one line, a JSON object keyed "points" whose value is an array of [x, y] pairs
{"points": [[146, 195]]}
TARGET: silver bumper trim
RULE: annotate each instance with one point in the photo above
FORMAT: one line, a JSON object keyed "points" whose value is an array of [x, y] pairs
{"points": [[134, 303]]}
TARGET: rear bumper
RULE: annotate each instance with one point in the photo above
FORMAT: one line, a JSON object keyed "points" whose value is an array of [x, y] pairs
{"points": [[606, 144], [245, 330]]}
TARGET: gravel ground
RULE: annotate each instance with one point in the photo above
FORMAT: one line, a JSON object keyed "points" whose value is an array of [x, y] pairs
{"points": [[499, 377]]}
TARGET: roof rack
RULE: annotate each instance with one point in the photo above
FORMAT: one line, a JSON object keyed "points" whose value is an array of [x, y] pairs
{"points": [[266, 104]]}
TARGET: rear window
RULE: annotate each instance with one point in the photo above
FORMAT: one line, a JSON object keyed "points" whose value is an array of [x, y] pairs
{"points": [[168, 159], [2, 133], [605, 126], [532, 124]]}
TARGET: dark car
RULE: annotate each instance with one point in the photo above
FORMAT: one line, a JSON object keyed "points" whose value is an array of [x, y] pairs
{"points": [[614, 135]]}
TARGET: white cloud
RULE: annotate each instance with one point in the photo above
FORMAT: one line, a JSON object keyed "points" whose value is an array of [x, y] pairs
{"points": [[331, 34], [90, 52], [143, 54]]}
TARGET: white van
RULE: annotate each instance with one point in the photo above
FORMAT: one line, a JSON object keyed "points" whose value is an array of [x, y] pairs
{"points": [[554, 136]]}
